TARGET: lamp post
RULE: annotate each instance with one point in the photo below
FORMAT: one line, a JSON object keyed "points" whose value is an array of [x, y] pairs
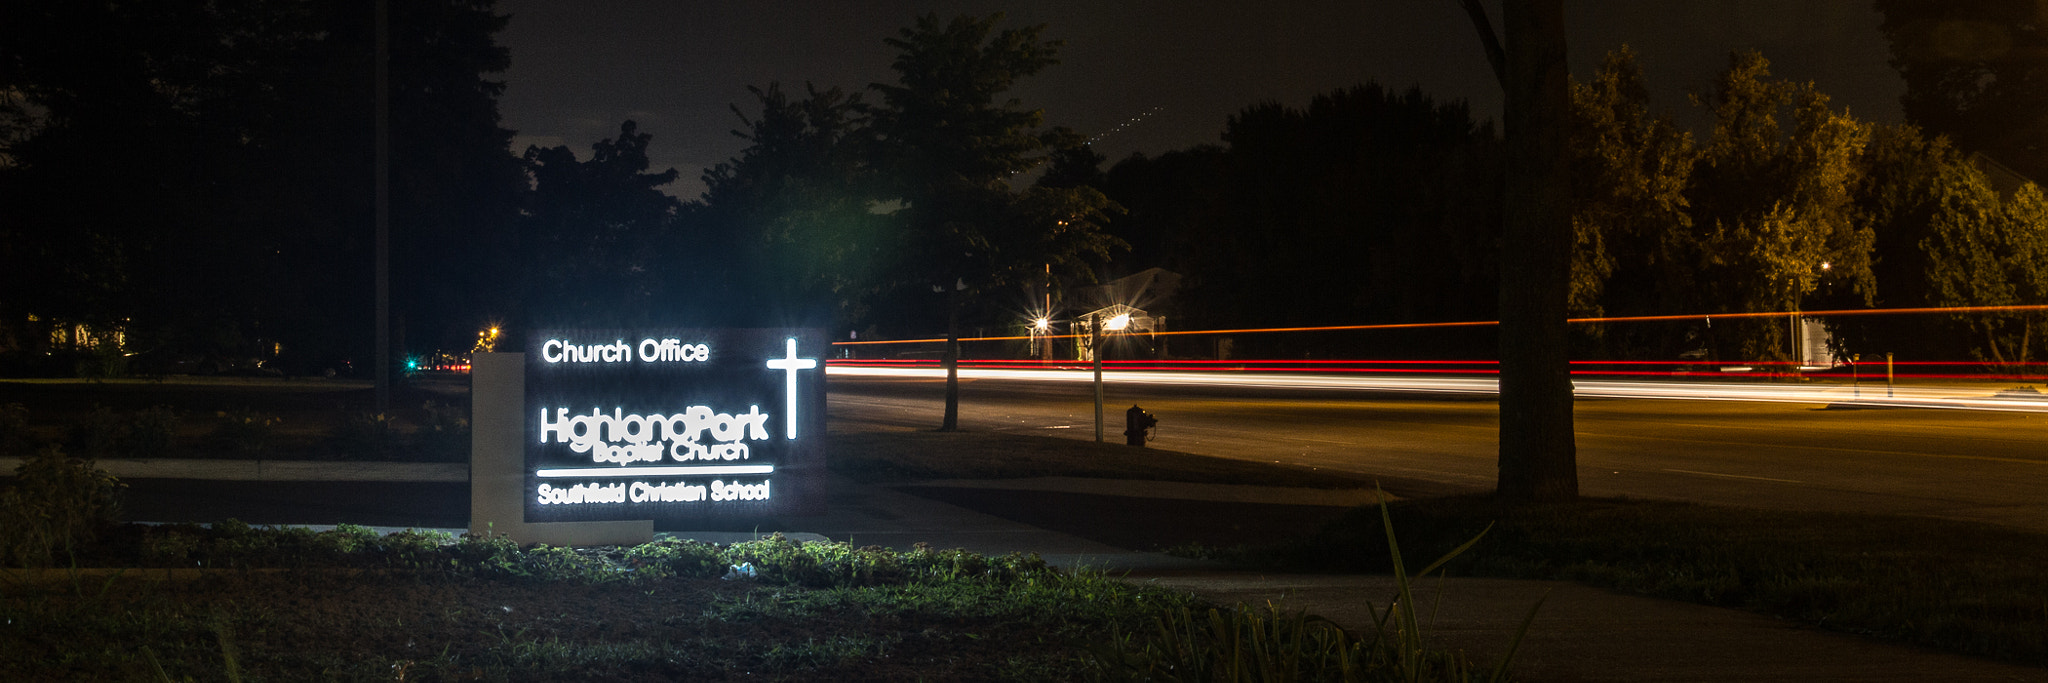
{"points": [[1041, 342], [1793, 328], [1044, 322]]}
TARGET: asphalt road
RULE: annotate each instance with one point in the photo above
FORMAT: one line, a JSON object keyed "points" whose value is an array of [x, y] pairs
{"points": [[1959, 464]]}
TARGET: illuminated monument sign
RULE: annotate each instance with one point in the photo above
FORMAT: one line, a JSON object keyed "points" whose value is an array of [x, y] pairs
{"points": [[674, 425]]}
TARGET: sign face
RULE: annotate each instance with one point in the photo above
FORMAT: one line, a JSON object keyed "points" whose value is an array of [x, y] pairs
{"points": [[673, 425]]}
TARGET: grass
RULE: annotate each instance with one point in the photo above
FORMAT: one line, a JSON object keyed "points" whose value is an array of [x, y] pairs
{"points": [[347, 604], [297, 626], [351, 605], [479, 608], [1963, 587], [1967, 588]]}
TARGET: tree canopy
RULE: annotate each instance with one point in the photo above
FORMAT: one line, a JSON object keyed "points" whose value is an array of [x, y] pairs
{"points": [[197, 176]]}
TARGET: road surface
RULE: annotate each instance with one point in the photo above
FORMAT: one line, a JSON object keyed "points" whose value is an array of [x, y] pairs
{"points": [[1977, 465]]}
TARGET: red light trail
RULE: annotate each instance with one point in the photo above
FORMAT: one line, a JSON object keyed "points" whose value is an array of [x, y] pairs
{"points": [[1952, 310]]}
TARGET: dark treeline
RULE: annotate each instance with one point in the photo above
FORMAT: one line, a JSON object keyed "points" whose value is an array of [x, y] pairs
{"points": [[198, 177], [1369, 207], [190, 185], [1366, 207]]}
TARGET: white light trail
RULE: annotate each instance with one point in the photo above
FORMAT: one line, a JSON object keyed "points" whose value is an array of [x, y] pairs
{"points": [[1956, 397]]}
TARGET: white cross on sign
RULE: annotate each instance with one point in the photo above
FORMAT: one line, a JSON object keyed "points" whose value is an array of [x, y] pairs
{"points": [[789, 365]]}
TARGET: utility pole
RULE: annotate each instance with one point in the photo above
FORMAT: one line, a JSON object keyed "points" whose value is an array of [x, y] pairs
{"points": [[1045, 348], [1095, 351], [383, 205]]}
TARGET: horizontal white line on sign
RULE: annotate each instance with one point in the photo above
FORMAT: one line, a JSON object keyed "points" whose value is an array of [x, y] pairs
{"points": [[657, 471]]}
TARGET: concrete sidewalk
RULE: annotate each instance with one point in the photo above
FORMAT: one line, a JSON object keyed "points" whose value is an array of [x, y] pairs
{"points": [[1590, 634], [1580, 634]]}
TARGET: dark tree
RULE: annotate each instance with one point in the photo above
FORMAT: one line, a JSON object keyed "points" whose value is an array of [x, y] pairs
{"points": [[1173, 202], [455, 185], [1633, 237], [950, 139], [1977, 72], [1905, 172], [1364, 206], [1772, 203], [236, 137], [591, 233], [1074, 163], [789, 218], [1538, 453]]}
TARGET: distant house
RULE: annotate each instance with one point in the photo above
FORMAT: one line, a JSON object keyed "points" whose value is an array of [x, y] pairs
{"points": [[1129, 330]]}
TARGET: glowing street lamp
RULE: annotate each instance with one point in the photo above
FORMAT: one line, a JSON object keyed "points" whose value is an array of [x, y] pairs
{"points": [[1118, 323], [486, 341]]}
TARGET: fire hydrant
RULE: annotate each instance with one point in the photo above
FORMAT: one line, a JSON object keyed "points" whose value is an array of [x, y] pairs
{"points": [[1137, 423]]}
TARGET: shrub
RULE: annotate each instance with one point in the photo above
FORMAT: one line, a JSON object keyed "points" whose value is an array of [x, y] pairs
{"points": [[413, 548], [366, 433], [103, 433], [344, 539], [445, 436], [149, 433], [104, 361], [780, 560], [488, 554], [245, 430], [171, 545], [96, 435], [56, 505], [672, 557], [15, 436]]}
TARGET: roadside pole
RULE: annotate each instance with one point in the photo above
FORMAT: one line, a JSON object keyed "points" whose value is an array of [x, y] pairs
{"points": [[382, 207], [1095, 351]]}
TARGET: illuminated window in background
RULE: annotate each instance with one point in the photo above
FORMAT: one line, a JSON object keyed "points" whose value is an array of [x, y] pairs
{"points": [[80, 336]]}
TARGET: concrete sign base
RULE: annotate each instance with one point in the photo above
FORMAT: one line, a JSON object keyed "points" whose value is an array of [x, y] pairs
{"points": [[497, 469]]}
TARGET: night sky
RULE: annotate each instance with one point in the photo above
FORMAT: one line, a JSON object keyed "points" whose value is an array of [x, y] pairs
{"points": [[1172, 71]]}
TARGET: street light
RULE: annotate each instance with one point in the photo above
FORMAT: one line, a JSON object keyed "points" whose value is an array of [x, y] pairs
{"points": [[1041, 331], [1792, 327]]}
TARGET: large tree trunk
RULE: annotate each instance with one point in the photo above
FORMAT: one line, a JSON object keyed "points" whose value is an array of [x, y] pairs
{"points": [[1538, 456]]}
